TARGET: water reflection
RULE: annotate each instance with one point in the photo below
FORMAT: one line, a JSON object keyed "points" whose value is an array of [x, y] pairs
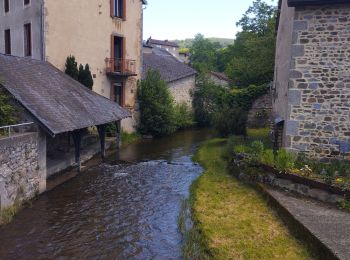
{"points": [[113, 210]]}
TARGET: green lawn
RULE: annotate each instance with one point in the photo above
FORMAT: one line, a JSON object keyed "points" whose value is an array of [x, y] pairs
{"points": [[233, 219]]}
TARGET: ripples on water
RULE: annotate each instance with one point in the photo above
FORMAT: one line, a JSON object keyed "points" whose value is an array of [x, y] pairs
{"points": [[110, 211]]}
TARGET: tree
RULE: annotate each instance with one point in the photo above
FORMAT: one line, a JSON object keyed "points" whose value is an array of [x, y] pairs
{"points": [[250, 60], [157, 114], [85, 77], [203, 54], [72, 67], [7, 111]]}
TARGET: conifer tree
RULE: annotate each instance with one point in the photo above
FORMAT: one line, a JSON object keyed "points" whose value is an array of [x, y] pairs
{"points": [[72, 67]]}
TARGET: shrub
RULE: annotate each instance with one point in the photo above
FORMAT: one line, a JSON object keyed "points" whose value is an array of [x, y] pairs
{"points": [[7, 111], [183, 116], [230, 121], [268, 158], [85, 76], [285, 160], [157, 115], [257, 149], [239, 149]]}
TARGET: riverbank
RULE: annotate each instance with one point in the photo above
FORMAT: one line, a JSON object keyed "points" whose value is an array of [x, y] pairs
{"points": [[233, 220]]}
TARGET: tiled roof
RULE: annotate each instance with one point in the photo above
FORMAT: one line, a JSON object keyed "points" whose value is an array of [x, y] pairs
{"points": [[294, 3], [58, 102], [169, 67], [165, 43], [219, 75]]}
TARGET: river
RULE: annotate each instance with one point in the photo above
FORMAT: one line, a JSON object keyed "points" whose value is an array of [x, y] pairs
{"points": [[124, 207]]}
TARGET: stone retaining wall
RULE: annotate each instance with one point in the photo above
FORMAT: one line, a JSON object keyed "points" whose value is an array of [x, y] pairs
{"points": [[22, 167], [319, 87]]}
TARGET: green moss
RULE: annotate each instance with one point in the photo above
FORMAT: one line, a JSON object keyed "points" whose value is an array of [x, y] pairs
{"points": [[233, 220], [7, 214]]}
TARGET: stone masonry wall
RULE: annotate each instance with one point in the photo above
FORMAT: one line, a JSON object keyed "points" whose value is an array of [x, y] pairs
{"points": [[181, 90], [21, 169], [260, 113], [319, 87]]}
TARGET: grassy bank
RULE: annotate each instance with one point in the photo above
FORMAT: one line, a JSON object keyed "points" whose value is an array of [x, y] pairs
{"points": [[129, 138], [232, 220]]}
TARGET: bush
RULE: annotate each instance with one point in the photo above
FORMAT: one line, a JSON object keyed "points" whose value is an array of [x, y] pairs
{"points": [[72, 67], [183, 116], [7, 111], [157, 115], [85, 76], [268, 158], [239, 149], [285, 160], [230, 121], [257, 148]]}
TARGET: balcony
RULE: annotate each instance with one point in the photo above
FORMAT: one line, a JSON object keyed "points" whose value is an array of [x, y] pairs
{"points": [[120, 67]]}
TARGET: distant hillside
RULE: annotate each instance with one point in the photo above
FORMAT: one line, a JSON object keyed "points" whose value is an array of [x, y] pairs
{"points": [[188, 42]]}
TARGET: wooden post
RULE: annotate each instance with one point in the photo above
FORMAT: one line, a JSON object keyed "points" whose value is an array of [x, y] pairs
{"points": [[117, 134], [77, 143], [102, 133]]}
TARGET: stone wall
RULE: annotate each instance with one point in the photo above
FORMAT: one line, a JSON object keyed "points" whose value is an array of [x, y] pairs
{"points": [[260, 114], [181, 90], [319, 87], [22, 167]]}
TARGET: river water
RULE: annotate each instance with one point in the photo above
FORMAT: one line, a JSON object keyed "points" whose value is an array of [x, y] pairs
{"points": [[125, 207]]}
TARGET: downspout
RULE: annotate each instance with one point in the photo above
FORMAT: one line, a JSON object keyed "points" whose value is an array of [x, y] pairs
{"points": [[43, 30]]}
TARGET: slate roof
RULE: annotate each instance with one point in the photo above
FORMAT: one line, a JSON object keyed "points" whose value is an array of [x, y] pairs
{"points": [[169, 67], [165, 43], [219, 75], [294, 3], [58, 102]]}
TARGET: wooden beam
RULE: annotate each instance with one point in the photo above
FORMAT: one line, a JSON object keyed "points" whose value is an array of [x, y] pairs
{"points": [[77, 145], [118, 134], [102, 133]]}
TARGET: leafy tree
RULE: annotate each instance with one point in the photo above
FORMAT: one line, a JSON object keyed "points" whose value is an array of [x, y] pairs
{"points": [[231, 120], [157, 116], [203, 54], [72, 67], [250, 60], [207, 99], [7, 111], [85, 76]]}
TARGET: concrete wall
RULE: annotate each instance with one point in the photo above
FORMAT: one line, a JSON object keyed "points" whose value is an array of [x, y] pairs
{"points": [[283, 62], [84, 29], [22, 167], [181, 90], [15, 20], [319, 88]]}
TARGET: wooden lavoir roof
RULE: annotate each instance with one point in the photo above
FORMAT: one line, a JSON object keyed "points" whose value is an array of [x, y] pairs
{"points": [[295, 3], [59, 103]]}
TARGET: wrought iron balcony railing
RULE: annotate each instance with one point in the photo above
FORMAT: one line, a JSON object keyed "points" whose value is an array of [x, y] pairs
{"points": [[121, 66]]}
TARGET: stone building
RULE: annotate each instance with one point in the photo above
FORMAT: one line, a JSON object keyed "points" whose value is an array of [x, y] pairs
{"points": [[180, 77], [53, 105], [172, 47], [219, 79], [106, 34], [311, 93]]}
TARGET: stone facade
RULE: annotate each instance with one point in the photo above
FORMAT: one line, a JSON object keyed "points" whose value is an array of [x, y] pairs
{"points": [[85, 29], [318, 97], [260, 113], [22, 167], [182, 90]]}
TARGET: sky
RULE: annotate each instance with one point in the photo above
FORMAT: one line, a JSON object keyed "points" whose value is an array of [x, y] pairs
{"points": [[180, 19]]}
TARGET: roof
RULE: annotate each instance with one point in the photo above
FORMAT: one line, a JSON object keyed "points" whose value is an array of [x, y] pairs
{"points": [[295, 3], [219, 75], [165, 43], [168, 66], [58, 102]]}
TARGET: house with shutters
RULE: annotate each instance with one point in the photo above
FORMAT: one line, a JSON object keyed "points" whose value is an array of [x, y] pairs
{"points": [[106, 34], [311, 91]]}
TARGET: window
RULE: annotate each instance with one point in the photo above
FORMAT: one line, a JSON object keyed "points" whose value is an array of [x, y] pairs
{"points": [[26, 2], [7, 41], [118, 93], [7, 6], [118, 8], [27, 40]]}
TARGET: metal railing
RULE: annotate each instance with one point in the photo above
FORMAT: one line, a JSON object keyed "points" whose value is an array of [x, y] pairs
{"points": [[123, 66], [8, 128]]}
